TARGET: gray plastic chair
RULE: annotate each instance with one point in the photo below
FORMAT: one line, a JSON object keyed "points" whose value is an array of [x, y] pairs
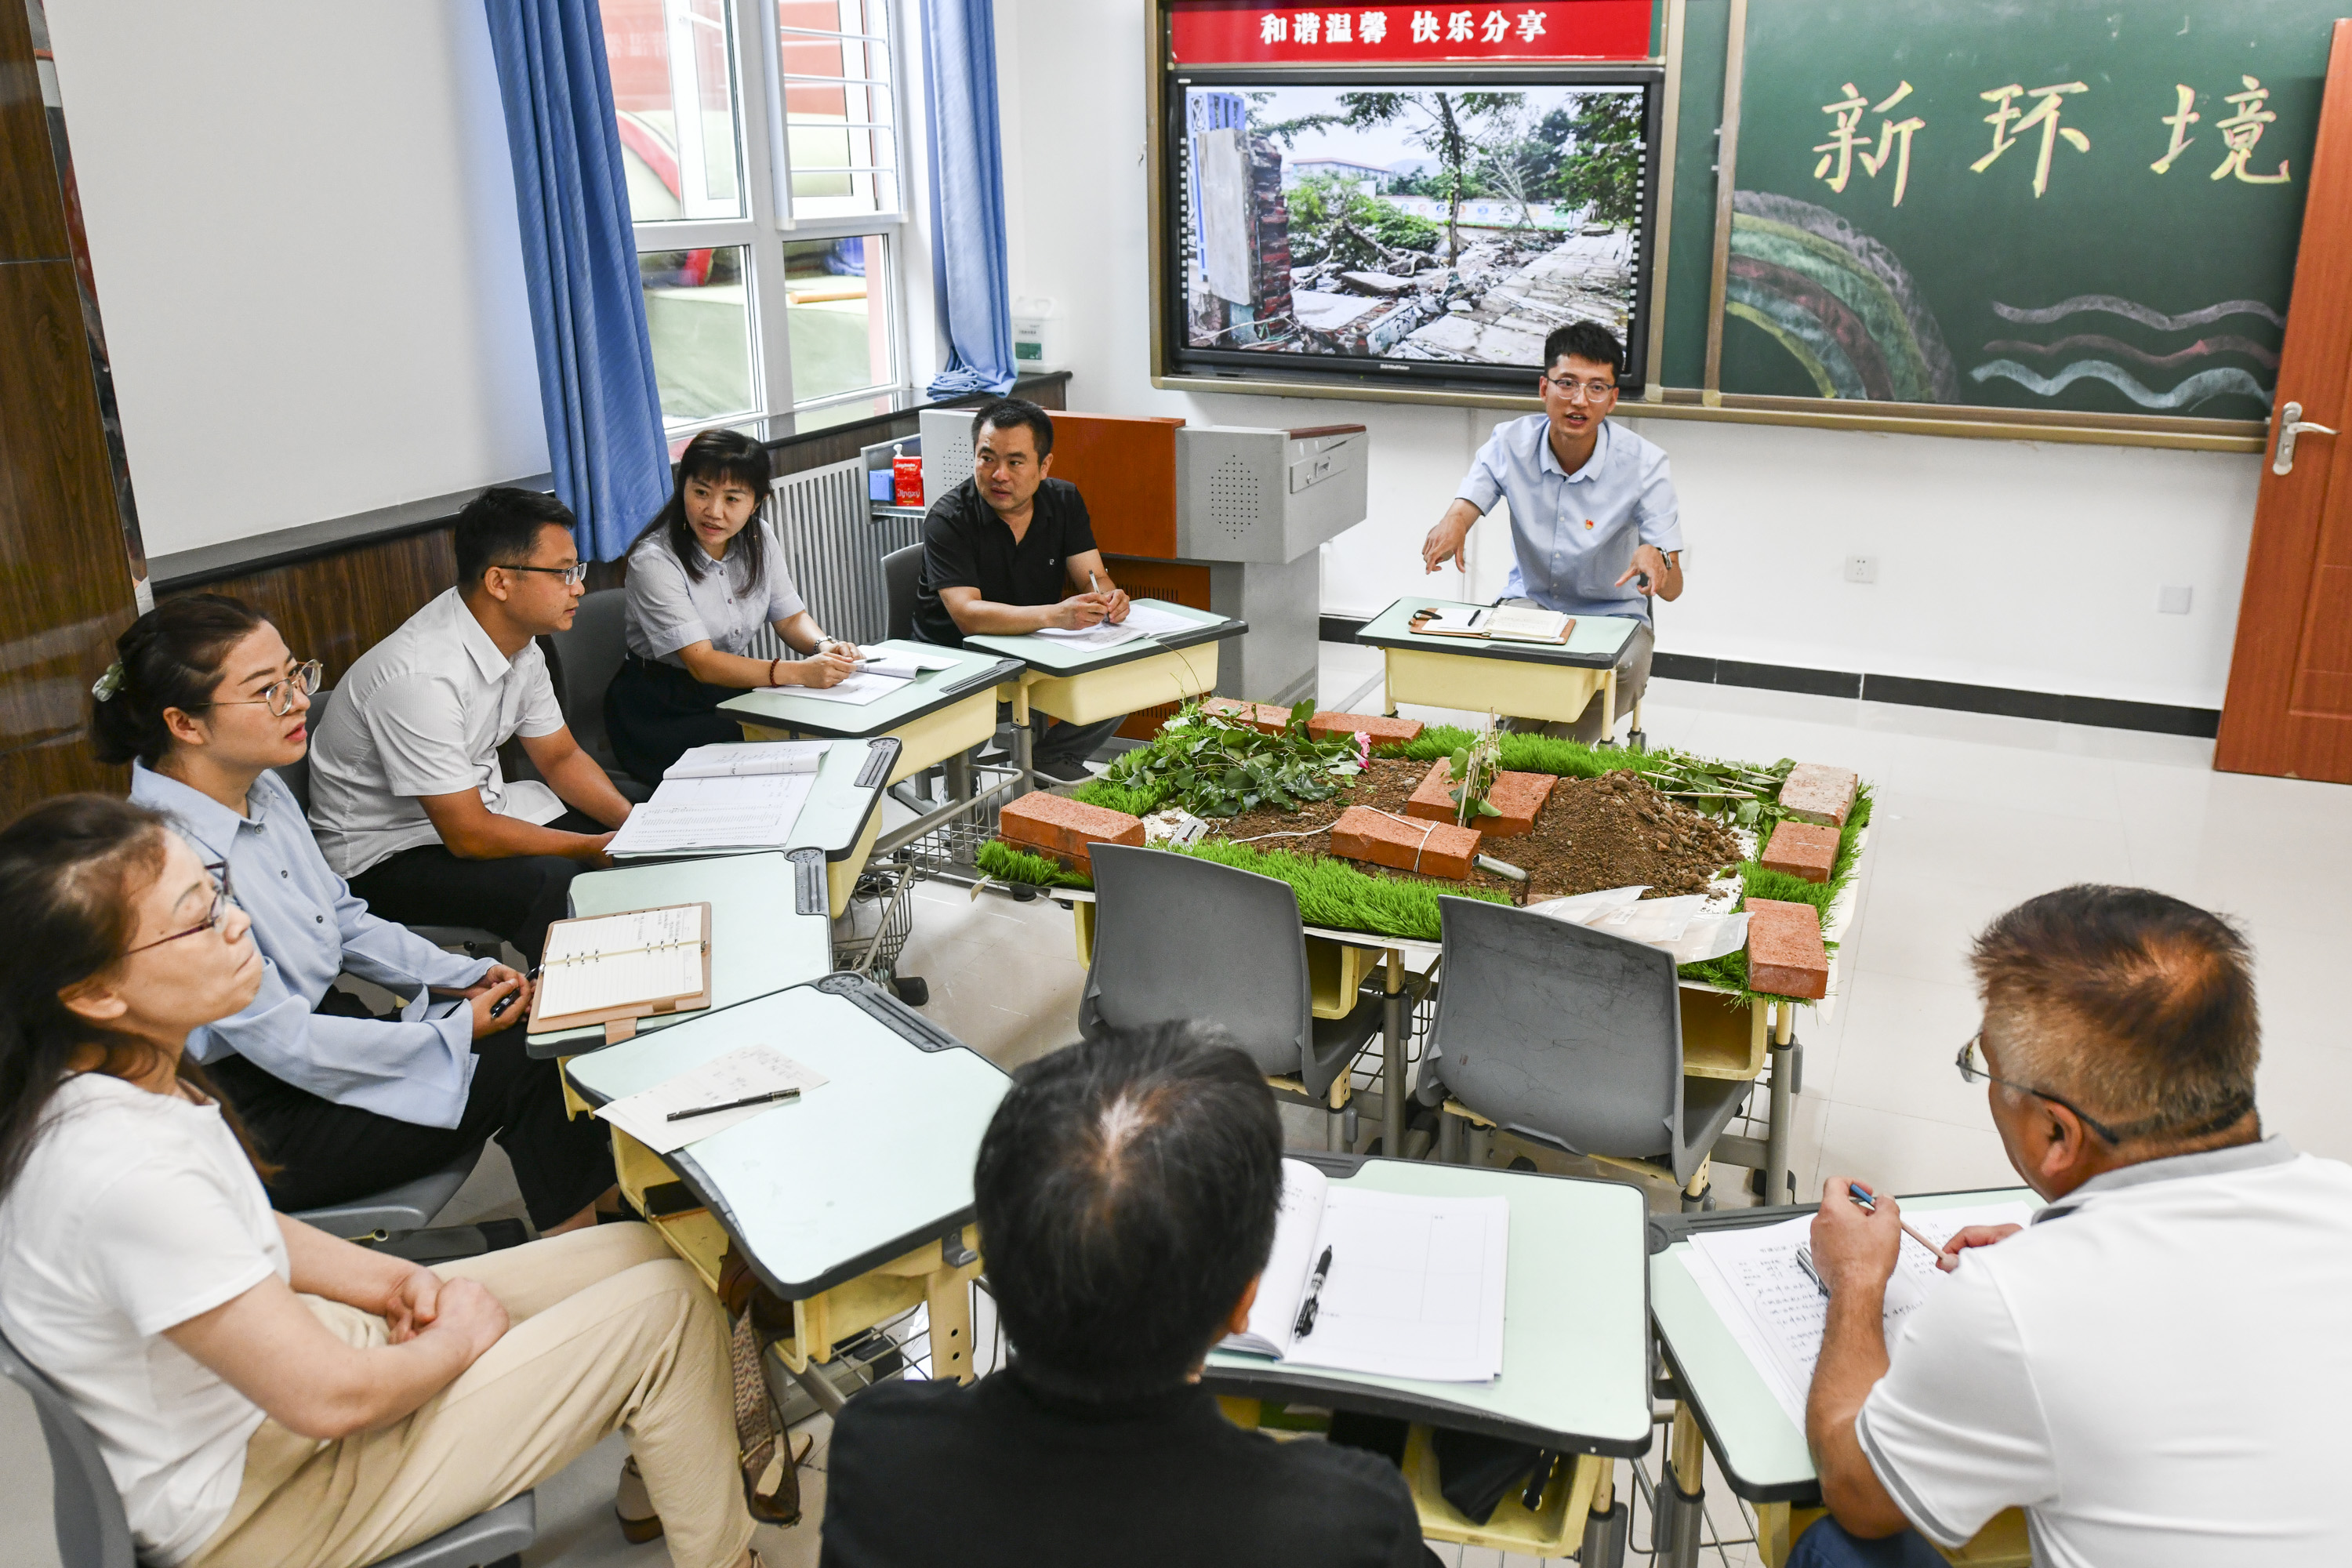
{"points": [[93, 1533], [901, 570], [1570, 1037], [1182, 939], [410, 1206], [587, 655]]}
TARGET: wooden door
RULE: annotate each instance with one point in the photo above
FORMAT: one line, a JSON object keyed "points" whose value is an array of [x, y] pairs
{"points": [[2289, 709]]}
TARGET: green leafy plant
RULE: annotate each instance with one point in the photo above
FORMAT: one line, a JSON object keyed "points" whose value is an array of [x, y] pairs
{"points": [[1473, 769], [1214, 766]]}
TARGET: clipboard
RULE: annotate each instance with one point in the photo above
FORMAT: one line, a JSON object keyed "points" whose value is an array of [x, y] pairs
{"points": [[620, 1021]]}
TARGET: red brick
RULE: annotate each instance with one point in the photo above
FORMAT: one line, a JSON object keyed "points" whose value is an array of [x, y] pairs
{"points": [[1432, 848], [1803, 849], [1814, 793], [1383, 731], [1262, 716], [1518, 796], [1785, 955], [1060, 828]]}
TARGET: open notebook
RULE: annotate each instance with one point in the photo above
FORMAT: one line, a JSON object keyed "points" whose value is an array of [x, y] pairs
{"points": [[1413, 1287], [1497, 623], [634, 964], [740, 759]]}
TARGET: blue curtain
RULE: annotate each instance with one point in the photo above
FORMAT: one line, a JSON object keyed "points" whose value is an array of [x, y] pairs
{"points": [[967, 264], [596, 383]]}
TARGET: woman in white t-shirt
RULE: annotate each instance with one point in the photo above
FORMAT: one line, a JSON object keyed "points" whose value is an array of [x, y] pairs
{"points": [[263, 1392], [705, 578]]}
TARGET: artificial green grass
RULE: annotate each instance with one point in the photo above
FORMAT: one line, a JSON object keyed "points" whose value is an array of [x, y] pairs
{"points": [[1111, 797], [1522, 753]]}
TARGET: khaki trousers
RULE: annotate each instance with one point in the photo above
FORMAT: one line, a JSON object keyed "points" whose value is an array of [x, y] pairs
{"points": [[1632, 679], [609, 1332]]}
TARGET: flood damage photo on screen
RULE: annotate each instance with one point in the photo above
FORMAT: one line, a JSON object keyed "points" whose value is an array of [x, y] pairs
{"points": [[1425, 231]]}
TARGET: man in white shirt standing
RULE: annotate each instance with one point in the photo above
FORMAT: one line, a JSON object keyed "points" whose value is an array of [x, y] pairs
{"points": [[1595, 527], [406, 794], [2156, 1369]]}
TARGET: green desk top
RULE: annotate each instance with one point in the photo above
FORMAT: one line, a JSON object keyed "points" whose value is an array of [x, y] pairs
{"points": [[1593, 642], [865, 1169], [1762, 1453], [976, 669], [1054, 655], [1575, 1361], [762, 937]]}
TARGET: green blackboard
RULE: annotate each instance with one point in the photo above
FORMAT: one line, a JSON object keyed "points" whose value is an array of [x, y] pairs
{"points": [[2085, 281]]}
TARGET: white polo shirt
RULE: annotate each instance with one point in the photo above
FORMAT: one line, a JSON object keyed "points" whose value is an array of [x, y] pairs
{"points": [[2156, 1369], [425, 712]]}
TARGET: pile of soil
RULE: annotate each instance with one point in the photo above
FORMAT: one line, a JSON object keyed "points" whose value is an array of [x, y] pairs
{"points": [[1608, 832]]}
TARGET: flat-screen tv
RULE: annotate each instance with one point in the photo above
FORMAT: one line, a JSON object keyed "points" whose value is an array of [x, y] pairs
{"points": [[1405, 228]]}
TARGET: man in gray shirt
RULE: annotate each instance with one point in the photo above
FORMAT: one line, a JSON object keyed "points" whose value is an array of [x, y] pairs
{"points": [[406, 794]]}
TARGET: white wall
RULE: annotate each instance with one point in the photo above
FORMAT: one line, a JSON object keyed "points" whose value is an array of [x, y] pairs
{"points": [[302, 219], [2028, 565]]}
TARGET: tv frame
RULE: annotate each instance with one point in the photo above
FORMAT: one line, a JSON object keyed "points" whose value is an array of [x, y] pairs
{"points": [[1338, 376]]}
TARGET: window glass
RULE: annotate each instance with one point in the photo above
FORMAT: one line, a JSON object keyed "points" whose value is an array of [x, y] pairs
{"points": [[838, 316], [674, 89], [699, 315], [840, 132]]}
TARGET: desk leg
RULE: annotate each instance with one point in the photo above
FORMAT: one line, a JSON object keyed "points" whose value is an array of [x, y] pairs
{"points": [[947, 1293], [1776, 1137], [1392, 1037], [1682, 1495], [1388, 664], [1023, 741], [959, 776], [1605, 1527]]}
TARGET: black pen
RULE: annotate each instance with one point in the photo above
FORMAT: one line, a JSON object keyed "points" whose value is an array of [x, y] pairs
{"points": [[507, 1001], [1306, 1324], [1805, 1262], [774, 1094]]}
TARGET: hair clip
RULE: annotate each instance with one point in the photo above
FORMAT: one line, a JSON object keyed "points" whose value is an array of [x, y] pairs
{"points": [[107, 685]]}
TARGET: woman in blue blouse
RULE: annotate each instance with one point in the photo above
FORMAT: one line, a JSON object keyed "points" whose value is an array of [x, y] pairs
{"points": [[203, 701]]}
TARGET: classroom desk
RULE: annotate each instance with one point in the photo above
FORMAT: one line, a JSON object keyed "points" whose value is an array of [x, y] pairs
{"points": [[1085, 686], [938, 714], [768, 928], [1576, 1363], [1722, 1400], [850, 1204], [1515, 679]]}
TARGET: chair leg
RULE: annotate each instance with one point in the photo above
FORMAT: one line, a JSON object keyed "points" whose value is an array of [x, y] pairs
{"points": [[1699, 1194], [1449, 1139]]}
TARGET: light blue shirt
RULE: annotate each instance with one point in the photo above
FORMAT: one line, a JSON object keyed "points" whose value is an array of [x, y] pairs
{"points": [[1573, 535], [311, 929]]}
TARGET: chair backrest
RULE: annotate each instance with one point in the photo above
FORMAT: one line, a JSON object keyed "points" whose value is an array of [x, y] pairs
{"points": [[901, 570], [91, 1529], [587, 655], [1180, 938], [1549, 1029], [296, 774]]}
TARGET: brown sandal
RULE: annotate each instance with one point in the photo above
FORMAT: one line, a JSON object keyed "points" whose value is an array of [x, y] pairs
{"points": [[635, 1509]]}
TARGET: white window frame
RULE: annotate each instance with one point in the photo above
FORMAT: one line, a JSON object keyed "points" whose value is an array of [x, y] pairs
{"points": [[763, 165]]}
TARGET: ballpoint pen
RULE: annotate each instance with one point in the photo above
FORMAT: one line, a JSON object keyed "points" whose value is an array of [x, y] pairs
{"points": [[773, 1095], [1306, 1324], [507, 1001]]}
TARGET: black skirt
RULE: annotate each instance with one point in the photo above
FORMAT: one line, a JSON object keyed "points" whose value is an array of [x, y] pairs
{"points": [[656, 713]]}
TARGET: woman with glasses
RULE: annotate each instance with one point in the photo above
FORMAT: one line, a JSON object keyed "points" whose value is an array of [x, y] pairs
{"points": [[261, 1391], [706, 578], [203, 701]]}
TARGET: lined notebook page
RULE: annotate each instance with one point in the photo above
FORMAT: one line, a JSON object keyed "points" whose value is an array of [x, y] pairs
{"points": [[617, 960]]}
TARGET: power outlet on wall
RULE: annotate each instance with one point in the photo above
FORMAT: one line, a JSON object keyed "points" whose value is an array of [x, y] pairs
{"points": [[1862, 568], [2172, 600]]}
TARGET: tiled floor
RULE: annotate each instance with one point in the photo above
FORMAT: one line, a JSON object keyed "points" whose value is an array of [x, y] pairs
{"points": [[1973, 815]]}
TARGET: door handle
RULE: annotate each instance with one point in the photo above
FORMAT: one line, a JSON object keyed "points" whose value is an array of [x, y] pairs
{"points": [[2292, 424]]}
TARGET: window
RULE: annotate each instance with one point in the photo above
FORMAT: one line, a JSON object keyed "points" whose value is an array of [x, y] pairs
{"points": [[760, 141]]}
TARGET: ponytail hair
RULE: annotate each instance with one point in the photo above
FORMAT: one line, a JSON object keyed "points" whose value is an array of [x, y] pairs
{"points": [[717, 456], [169, 657], [71, 873]]}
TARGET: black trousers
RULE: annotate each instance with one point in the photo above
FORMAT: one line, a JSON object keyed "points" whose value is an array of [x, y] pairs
{"points": [[329, 1153], [517, 898], [655, 713]]}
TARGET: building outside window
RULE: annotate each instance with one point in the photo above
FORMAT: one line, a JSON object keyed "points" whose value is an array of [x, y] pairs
{"points": [[763, 146]]}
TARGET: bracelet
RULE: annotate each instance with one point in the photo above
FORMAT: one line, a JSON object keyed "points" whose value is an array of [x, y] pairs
{"points": [[772, 672]]}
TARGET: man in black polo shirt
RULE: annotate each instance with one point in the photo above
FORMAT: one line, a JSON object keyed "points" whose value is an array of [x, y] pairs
{"points": [[1011, 550]]}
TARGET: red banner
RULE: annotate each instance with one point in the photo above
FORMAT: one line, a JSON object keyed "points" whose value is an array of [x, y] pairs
{"points": [[1230, 32]]}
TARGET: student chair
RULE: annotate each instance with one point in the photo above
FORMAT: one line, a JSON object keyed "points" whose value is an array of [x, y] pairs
{"points": [[901, 570], [1180, 938], [93, 1533], [399, 1220], [586, 656], [1570, 1037]]}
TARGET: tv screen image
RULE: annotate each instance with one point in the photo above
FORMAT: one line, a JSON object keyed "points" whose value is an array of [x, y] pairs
{"points": [[1442, 229]]}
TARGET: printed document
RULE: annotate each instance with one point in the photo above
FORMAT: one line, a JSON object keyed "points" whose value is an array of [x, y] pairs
{"points": [[866, 685], [617, 960], [1414, 1286], [738, 759], [738, 1075], [698, 815], [896, 666], [1102, 634]]}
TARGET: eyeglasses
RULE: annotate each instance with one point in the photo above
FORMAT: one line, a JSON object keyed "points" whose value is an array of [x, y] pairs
{"points": [[576, 573], [1577, 391], [224, 897], [280, 694], [1973, 1071]]}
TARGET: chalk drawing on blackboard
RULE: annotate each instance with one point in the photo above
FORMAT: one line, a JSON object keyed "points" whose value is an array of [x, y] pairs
{"points": [[2220, 381], [2132, 309], [2223, 344], [1842, 303]]}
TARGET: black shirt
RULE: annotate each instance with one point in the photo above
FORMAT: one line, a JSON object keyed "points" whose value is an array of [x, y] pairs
{"points": [[998, 1475], [966, 545]]}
